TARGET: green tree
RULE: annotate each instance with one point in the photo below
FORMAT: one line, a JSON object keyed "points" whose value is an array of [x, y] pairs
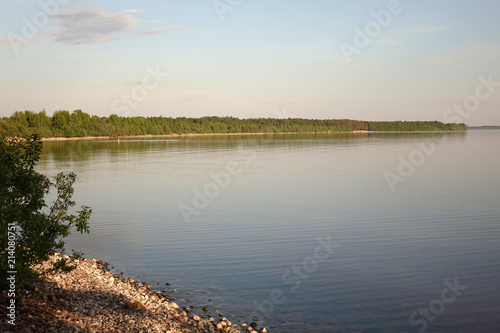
{"points": [[79, 124], [30, 230]]}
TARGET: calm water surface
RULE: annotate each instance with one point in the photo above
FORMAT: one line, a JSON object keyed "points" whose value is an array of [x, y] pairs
{"points": [[255, 207]]}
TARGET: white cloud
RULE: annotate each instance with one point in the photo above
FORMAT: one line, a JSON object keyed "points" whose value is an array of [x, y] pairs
{"points": [[92, 25], [471, 52]]}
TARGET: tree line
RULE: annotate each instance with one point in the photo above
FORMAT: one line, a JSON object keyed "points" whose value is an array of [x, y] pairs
{"points": [[80, 124]]}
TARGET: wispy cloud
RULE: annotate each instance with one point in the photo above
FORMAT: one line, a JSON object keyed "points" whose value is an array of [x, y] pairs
{"points": [[410, 34], [428, 28], [471, 52], [4, 41], [162, 31], [257, 17], [131, 83], [93, 25]]}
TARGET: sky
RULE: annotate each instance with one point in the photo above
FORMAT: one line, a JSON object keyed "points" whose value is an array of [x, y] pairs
{"points": [[356, 59]]}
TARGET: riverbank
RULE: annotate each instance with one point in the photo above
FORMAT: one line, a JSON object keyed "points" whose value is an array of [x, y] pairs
{"points": [[125, 137], [91, 299], [177, 135]]}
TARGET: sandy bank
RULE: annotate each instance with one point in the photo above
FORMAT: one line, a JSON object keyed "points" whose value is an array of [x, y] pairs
{"points": [[177, 135], [225, 134]]}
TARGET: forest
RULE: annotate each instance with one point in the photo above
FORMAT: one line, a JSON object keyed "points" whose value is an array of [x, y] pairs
{"points": [[80, 124]]}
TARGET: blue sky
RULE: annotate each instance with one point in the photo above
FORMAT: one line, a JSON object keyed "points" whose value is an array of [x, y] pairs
{"points": [[367, 60]]}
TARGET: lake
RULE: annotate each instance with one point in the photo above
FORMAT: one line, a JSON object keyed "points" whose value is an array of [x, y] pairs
{"points": [[378, 232]]}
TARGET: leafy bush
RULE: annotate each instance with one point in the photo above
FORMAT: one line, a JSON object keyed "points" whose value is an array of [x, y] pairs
{"points": [[36, 231]]}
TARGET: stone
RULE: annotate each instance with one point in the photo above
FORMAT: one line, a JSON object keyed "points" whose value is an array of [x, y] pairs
{"points": [[114, 304]]}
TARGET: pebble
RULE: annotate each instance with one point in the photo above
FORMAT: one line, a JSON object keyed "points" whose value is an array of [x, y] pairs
{"points": [[89, 299]]}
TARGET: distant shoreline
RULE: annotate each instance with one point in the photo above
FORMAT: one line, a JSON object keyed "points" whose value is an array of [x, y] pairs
{"points": [[117, 137], [80, 124], [479, 128]]}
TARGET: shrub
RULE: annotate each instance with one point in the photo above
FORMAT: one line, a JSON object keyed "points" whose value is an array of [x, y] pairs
{"points": [[36, 231]]}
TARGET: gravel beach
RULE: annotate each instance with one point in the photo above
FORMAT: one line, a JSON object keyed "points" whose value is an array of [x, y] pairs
{"points": [[91, 299]]}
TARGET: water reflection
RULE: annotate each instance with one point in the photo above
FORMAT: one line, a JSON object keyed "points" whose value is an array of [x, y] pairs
{"points": [[81, 150], [395, 248]]}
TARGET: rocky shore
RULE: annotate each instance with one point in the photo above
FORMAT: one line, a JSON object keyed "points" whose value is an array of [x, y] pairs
{"points": [[91, 299]]}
